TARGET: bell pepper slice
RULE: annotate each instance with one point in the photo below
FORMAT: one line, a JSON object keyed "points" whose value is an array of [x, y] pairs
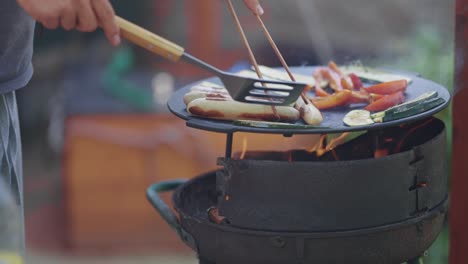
{"points": [[357, 83], [388, 87], [319, 91], [346, 85], [337, 99], [374, 97], [386, 102], [308, 88], [332, 78], [332, 65], [358, 97]]}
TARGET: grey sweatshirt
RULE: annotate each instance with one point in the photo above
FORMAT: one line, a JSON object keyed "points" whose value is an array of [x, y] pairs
{"points": [[16, 46]]}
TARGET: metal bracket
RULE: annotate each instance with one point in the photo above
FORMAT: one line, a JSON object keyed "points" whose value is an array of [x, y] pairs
{"points": [[419, 182]]}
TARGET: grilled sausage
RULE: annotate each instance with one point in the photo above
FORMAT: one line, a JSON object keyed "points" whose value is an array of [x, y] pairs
{"points": [[192, 95], [309, 113], [232, 110]]}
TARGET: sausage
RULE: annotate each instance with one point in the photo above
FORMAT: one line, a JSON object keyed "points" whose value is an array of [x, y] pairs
{"points": [[308, 112], [192, 95], [225, 109]]}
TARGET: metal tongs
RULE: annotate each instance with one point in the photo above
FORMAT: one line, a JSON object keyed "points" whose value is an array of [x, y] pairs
{"points": [[303, 99], [243, 89]]}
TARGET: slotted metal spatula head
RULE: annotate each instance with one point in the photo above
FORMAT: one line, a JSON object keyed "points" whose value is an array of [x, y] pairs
{"points": [[260, 91]]}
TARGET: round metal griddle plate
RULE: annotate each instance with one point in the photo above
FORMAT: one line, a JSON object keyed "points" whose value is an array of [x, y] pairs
{"points": [[333, 119]]}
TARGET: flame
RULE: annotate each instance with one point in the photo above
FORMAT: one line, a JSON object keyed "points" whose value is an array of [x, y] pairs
{"points": [[335, 155], [321, 148], [244, 148], [337, 141], [409, 133]]}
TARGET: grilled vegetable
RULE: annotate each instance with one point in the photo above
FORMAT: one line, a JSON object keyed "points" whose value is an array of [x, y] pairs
{"points": [[319, 91], [358, 118], [332, 65], [357, 83], [358, 97], [345, 84], [374, 97], [388, 87], [416, 109], [337, 99], [332, 77], [421, 104], [402, 107], [386, 102]]}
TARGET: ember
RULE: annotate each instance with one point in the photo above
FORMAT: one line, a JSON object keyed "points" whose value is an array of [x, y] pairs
{"points": [[349, 145]]}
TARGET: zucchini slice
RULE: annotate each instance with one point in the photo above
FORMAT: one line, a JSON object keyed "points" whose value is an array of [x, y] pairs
{"points": [[404, 107], [358, 118], [415, 109]]}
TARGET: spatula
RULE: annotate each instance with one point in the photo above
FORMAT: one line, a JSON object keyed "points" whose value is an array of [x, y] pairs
{"points": [[243, 89]]}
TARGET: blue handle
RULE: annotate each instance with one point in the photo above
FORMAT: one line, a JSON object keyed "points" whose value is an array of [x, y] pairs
{"points": [[152, 193], [153, 196]]}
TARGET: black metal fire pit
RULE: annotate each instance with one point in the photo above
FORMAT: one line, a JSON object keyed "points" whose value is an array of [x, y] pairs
{"points": [[393, 243], [348, 207], [299, 196]]}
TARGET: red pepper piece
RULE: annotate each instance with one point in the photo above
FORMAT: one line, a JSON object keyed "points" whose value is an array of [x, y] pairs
{"points": [[374, 97], [308, 88], [332, 78], [358, 97], [386, 102], [332, 65], [357, 83], [337, 99], [343, 81], [319, 91], [388, 87], [345, 84]]}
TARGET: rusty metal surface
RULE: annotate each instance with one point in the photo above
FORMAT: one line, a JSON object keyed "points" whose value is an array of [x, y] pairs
{"points": [[459, 181], [461, 45]]}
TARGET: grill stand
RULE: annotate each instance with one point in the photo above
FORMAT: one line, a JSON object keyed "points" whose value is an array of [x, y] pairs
{"points": [[229, 138]]}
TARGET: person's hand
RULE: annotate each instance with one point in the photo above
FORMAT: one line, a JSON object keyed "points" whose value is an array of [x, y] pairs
{"points": [[254, 6], [83, 15]]}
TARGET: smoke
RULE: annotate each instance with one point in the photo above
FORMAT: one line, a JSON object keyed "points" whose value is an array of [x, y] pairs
{"points": [[315, 31]]}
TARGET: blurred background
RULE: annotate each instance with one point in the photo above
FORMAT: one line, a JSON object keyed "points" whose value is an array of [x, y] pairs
{"points": [[96, 131]]}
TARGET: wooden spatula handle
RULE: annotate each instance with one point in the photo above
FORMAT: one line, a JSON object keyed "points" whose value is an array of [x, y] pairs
{"points": [[149, 40]]}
